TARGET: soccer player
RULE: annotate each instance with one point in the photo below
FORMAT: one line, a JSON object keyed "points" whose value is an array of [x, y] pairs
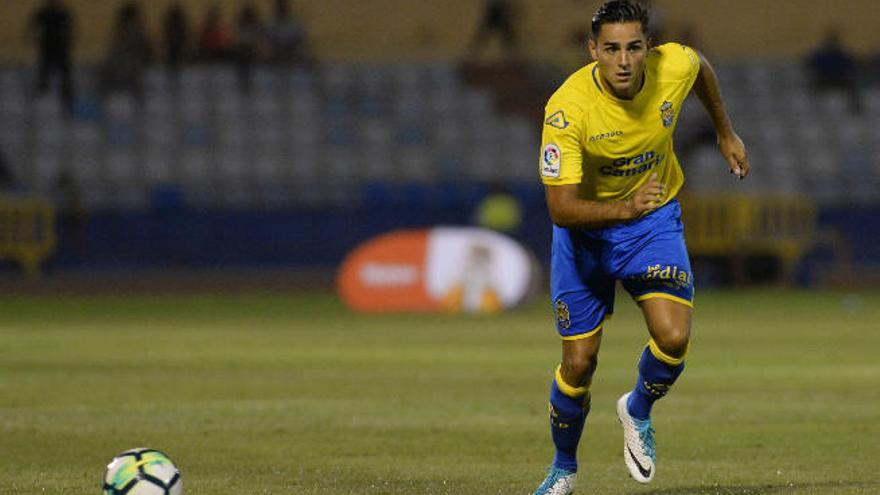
{"points": [[611, 178]]}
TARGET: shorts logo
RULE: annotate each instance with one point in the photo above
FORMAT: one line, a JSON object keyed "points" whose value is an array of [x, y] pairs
{"points": [[563, 319], [669, 275], [557, 120], [667, 113], [550, 160]]}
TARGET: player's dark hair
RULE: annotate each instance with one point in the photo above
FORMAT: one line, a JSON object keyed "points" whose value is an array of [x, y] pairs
{"points": [[619, 11]]}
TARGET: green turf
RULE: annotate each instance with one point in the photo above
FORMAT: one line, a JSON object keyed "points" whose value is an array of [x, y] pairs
{"points": [[285, 394]]}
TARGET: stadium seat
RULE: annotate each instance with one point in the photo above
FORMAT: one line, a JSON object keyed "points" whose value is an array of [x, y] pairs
{"points": [[194, 168], [267, 80], [156, 81], [871, 100], [443, 75], [122, 167], [413, 163], [86, 150], [195, 79], [223, 78], [158, 164], [12, 83], [299, 80], [836, 104], [47, 166], [267, 167], [407, 77]]}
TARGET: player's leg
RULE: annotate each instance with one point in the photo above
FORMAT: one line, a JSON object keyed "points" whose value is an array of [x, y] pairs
{"points": [[660, 365], [583, 296], [570, 397], [662, 360], [656, 271], [569, 407]]}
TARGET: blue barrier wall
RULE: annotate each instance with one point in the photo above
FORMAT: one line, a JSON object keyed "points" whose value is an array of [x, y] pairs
{"points": [[175, 236]]}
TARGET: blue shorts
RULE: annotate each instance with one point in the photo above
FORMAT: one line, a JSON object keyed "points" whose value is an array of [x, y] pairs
{"points": [[647, 255]]}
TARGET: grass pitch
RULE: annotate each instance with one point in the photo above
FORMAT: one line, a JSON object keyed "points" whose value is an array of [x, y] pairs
{"points": [[281, 394]]}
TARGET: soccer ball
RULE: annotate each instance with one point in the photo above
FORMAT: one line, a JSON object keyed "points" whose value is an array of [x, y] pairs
{"points": [[142, 472]]}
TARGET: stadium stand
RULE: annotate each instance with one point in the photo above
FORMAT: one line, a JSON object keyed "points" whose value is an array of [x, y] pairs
{"points": [[370, 130], [412, 123]]}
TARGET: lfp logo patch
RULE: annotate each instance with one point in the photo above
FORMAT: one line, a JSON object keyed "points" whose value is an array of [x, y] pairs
{"points": [[667, 113], [551, 158]]}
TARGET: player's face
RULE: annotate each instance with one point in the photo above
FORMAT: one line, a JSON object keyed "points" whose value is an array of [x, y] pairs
{"points": [[620, 50]]}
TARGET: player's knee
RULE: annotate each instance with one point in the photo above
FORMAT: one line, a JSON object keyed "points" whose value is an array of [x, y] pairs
{"points": [[580, 368], [673, 340]]}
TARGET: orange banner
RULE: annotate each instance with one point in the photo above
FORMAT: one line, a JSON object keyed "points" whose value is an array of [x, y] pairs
{"points": [[441, 269], [387, 274]]}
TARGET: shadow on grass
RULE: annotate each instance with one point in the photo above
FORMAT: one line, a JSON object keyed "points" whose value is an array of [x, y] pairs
{"points": [[762, 489]]}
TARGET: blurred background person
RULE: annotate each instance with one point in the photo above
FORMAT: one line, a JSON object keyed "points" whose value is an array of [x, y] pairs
{"points": [[872, 68], [498, 19], [7, 179], [52, 25], [175, 38], [656, 23], [287, 37], [128, 55], [833, 68], [249, 44], [215, 37]]}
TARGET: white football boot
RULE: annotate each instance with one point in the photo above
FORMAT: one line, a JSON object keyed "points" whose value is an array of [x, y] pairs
{"points": [[558, 482], [638, 444]]}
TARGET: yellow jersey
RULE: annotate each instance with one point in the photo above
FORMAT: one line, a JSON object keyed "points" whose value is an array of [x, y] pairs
{"points": [[609, 146]]}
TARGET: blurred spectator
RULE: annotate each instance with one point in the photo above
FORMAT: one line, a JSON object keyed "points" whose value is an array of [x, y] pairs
{"points": [[52, 26], [499, 18], [129, 54], [872, 68], [287, 37], [7, 180], [215, 38], [832, 67], [248, 44], [656, 23], [175, 32]]}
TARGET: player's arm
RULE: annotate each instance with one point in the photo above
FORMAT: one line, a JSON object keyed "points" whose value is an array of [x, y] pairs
{"points": [[567, 210], [729, 143]]}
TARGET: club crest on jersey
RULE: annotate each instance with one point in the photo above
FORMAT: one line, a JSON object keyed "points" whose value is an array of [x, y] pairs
{"points": [[667, 113], [563, 319], [557, 120], [551, 158]]}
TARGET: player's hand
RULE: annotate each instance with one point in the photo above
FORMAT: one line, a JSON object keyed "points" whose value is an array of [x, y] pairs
{"points": [[646, 198], [734, 151]]}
